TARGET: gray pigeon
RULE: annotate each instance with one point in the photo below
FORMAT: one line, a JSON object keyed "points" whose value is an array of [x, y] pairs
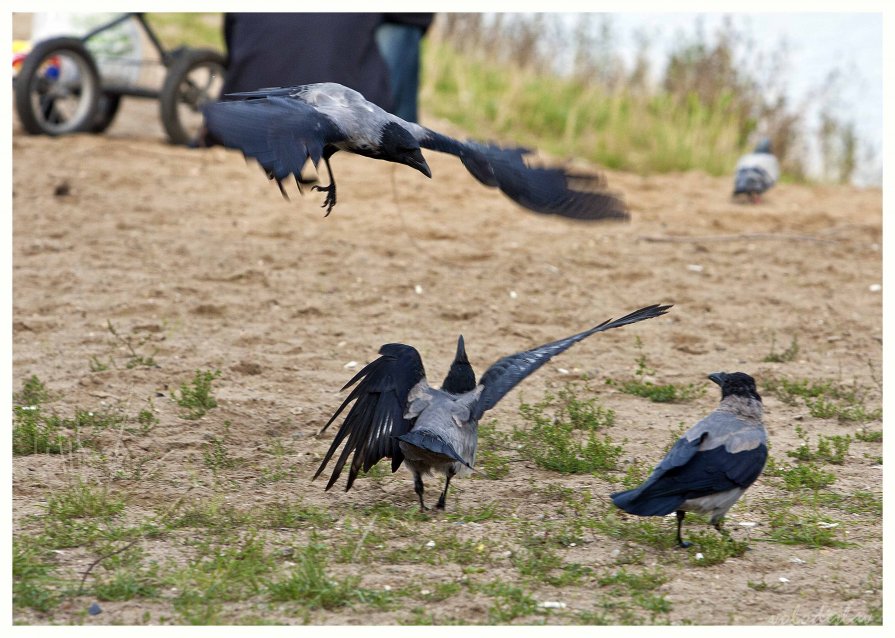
{"points": [[284, 127], [398, 415], [712, 464], [756, 172]]}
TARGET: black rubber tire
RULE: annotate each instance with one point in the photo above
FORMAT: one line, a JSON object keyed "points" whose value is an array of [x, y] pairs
{"points": [[180, 90], [29, 84], [106, 110]]}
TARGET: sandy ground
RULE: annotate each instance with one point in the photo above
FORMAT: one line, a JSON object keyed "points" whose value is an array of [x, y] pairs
{"points": [[195, 253]]}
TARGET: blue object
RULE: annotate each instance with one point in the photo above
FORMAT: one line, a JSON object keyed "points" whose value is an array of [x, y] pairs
{"points": [[95, 609], [399, 45]]}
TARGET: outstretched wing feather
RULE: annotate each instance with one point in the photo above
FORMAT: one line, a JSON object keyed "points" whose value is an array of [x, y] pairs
{"points": [[550, 191], [504, 375], [377, 414]]}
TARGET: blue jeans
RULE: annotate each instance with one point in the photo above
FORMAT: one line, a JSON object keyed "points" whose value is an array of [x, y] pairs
{"points": [[399, 45]]}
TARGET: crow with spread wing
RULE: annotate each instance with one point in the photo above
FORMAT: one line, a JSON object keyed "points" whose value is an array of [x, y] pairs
{"points": [[283, 128], [398, 415]]}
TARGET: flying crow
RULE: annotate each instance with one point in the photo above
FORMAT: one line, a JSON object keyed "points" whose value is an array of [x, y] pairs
{"points": [[284, 127], [398, 415], [712, 464], [756, 172]]}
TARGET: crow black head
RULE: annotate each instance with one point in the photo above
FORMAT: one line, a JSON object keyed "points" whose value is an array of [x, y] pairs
{"points": [[735, 384], [397, 144], [461, 376]]}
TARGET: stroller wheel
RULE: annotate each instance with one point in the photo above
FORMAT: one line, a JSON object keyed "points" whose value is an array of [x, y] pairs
{"points": [[106, 110], [193, 79], [57, 88]]}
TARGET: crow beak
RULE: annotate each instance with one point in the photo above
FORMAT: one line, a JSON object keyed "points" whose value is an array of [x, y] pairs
{"points": [[461, 350], [417, 161], [718, 377]]}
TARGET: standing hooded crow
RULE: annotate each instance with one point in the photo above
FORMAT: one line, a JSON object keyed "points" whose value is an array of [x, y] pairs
{"points": [[756, 172], [284, 127], [397, 414], [712, 464]]}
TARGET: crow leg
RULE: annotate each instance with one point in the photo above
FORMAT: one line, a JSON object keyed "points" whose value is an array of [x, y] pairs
{"points": [[418, 488], [330, 190], [680, 521], [443, 497], [717, 525]]}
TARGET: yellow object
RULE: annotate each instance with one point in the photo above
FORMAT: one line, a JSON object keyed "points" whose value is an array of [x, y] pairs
{"points": [[20, 49]]}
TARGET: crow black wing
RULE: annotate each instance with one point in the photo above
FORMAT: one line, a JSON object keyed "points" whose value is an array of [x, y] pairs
{"points": [[693, 474], [551, 191], [279, 131], [377, 416], [504, 375]]}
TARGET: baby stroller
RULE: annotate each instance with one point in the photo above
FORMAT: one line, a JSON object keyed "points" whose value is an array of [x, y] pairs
{"points": [[60, 89]]}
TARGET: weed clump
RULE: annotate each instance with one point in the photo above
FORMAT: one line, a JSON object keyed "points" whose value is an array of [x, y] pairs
{"points": [[195, 398], [659, 393], [562, 433]]}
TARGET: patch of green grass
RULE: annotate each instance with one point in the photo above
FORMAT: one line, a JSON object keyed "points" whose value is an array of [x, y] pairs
{"points": [[825, 399], [552, 436], [146, 419], [508, 601], [87, 421], [280, 470], [806, 476], [309, 584], [32, 578], [539, 561], [490, 463], [234, 569], [216, 455], [646, 530], [628, 581], [830, 449], [443, 591], [361, 545], [387, 511], [193, 29], [98, 366], [714, 547], [869, 436], [858, 502], [195, 398], [810, 530], [783, 357], [295, 514], [83, 500], [486, 512], [34, 433], [621, 590], [451, 548], [128, 583], [635, 473], [652, 131], [658, 393], [212, 515], [33, 392], [790, 390], [59, 534]]}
